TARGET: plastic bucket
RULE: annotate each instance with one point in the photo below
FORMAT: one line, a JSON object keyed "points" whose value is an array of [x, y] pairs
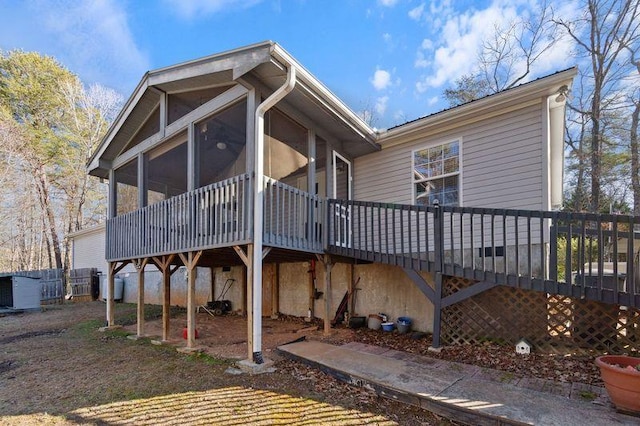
{"points": [[357, 322], [388, 326], [374, 322], [404, 325]]}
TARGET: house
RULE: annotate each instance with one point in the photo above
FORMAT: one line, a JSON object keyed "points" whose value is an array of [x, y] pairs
{"points": [[243, 163]]}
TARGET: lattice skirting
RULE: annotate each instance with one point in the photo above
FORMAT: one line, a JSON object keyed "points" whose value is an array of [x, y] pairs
{"points": [[550, 323]]}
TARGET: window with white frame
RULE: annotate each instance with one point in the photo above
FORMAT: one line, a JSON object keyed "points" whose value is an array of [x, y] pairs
{"points": [[436, 174]]}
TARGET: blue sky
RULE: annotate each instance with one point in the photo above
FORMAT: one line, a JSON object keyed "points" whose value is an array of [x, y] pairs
{"points": [[394, 57]]}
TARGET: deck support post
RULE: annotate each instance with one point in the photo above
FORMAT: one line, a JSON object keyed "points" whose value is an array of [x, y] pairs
{"points": [[140, 264], [114, 268], [190, 261], [111, 315], [328, 266], [437, 312], [275, 293], [164, 264]]}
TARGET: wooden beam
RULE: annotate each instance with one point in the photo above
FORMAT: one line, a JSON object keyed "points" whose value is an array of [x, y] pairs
{"points": [[265, 252], [242, 255], [424, 287], [467, 293]]}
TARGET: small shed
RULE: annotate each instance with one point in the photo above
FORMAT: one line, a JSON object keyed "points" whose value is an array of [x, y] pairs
{"points": [[19, 292]]}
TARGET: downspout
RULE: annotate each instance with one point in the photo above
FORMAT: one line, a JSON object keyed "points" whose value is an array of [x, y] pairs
{"points": [[258, 197]]}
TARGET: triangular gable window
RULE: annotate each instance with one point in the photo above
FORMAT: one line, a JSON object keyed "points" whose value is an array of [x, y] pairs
{"points": [[180, 104]]}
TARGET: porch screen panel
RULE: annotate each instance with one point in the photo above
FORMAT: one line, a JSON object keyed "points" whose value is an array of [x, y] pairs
{"points": [[222, 144], [167, 170], [126, 188]]}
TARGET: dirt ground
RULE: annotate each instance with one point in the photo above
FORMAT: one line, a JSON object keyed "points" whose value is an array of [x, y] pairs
{"points": [[56, 368]]}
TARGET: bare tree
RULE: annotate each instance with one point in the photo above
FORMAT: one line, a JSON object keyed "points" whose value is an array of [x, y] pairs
{"points": [[634, 144], [507, 58], [601, 34]]}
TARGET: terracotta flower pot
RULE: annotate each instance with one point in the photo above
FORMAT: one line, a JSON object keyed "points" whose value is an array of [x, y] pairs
{"points": [[622, 383]]}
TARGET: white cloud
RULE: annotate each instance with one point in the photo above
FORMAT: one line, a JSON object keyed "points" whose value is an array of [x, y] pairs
{"points": [[381, 79], [388, 3], [416, 12], [432, 101], [461, 36], [427, 44], [455, 52], [92, 39], [386, 37], [189, 9], [381, 105]]}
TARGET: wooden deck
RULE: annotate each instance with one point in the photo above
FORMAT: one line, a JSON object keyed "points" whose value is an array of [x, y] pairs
{"points": [[553, 252], [560, 253]]}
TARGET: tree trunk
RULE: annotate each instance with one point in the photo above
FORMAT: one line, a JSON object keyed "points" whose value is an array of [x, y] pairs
{"points": [[47, 210], [635, 158]]}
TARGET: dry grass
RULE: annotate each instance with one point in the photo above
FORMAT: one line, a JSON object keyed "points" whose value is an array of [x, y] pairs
{"points": [[56, 368]]}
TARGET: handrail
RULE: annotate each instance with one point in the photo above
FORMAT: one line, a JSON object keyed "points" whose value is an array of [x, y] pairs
{"points": [[556, 252], [292, 218], [212, 216]]}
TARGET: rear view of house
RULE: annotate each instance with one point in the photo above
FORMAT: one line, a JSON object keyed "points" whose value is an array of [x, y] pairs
{"points": [[245, 160]]}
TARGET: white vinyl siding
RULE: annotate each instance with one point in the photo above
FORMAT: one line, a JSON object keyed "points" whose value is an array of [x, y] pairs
{"points": [[89, 250], [502, 164]]}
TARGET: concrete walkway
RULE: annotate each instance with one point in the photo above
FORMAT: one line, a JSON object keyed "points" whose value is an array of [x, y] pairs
{"points": [[461, 392]]}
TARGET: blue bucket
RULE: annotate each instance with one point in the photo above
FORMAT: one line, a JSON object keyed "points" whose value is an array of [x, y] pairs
{"points": [[388, 326], [404, 324]]}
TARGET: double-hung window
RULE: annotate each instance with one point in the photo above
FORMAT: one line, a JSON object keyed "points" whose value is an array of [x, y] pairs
{"points": [[436, 174]]}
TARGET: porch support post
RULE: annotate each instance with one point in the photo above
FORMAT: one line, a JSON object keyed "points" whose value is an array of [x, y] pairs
{"points": [[111, 315], [114, 268], [190, 260], [275, 293], [140, 265], [437, 312], [164, 264], [328, 266]]}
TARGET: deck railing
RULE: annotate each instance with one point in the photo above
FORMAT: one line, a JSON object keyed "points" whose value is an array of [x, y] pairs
{"points": [[212, 216], [217, 215], [573, 254], [292, 217]]}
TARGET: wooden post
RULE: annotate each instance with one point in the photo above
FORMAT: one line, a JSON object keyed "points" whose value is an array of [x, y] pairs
{"points": [[111, 315], [190, 261], [139, 265], [328, 265], [114, 268], [351, 292], [164, 263], [437, 311], [244, 291], [312, 289]]}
